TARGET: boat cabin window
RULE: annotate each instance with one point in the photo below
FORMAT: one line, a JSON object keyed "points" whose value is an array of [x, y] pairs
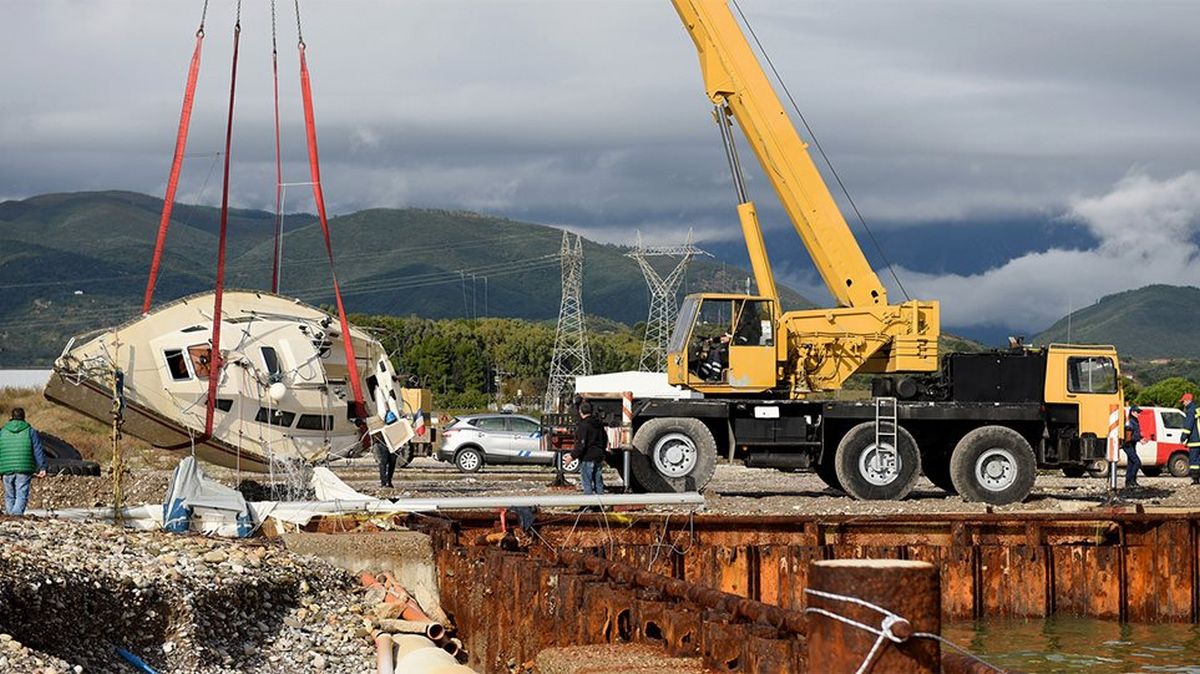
{"points": [[224, 404], [271, 361], [201, 357], [275, 417], [177, 365], [315, 422]]}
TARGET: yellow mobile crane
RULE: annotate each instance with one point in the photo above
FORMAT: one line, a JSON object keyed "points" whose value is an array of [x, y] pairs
{"points": [[970, 421]]}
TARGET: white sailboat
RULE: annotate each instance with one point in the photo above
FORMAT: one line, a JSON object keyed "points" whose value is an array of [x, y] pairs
{"points": [[283, 395]]}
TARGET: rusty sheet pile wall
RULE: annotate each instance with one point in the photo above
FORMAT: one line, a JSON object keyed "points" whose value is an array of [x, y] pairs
{"points": [[1140, 567]]}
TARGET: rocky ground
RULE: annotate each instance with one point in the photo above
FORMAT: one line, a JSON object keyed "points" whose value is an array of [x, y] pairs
{"points": [[734, 490], [71, 592]]}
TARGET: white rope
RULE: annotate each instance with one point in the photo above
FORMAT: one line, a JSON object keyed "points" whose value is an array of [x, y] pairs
{"points": [[884, 631]]}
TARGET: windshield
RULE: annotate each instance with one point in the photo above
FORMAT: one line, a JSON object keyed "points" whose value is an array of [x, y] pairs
{"points": [[683, 324]]}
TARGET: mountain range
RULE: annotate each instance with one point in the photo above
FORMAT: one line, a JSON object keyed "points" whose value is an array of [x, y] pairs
{"points": [[78, 261], [73, 262]]}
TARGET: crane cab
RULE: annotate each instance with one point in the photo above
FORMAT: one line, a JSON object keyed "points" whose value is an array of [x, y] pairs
{"points": [[725, 343]]}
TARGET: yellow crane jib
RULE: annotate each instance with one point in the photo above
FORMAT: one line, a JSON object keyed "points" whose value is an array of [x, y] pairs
{"points": [[764, 348]]}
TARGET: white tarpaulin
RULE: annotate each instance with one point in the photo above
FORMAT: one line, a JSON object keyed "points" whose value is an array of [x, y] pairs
{"points": [[194, 501]]}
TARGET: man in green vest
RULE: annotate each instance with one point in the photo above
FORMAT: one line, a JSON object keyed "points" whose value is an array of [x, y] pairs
{"points": [[21, 457]]}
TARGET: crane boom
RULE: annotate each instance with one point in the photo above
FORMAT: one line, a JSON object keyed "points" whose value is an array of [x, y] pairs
{"points": [[733, 77], [796, 352]]}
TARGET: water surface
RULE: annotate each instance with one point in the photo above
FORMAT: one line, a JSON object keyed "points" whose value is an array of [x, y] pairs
{"points": [[1065, 644]]}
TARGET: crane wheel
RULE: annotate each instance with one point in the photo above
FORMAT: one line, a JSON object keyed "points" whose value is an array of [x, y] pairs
{"points": [[828, 473], [871, 472], [993, 464], [674, 454]]}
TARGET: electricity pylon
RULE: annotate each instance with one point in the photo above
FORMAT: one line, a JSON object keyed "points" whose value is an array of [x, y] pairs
{"points": [[664, 304], [571, 356]]}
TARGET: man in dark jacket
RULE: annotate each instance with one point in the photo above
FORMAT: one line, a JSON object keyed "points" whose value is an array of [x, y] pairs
{"points": [[1133, 435], [591, 441], [1191, 436], [21, 457]]}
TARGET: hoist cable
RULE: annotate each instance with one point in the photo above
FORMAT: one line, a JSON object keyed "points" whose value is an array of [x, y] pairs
{"points": [[181, 136], [314, 164], [812, 134], [276, 262], [214, 359]]}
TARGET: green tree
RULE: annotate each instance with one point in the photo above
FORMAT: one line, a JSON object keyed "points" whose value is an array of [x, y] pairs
{"points": [[1166, 393]]}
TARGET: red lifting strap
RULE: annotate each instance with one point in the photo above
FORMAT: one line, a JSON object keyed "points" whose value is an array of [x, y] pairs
{"points": [[314, 164], [185, 118], [215, 361]]}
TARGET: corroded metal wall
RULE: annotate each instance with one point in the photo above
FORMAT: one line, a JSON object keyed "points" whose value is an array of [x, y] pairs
{"points": [[1140, 567]]}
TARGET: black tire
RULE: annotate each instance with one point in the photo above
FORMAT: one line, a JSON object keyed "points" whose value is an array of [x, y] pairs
{"points": [[1099, 468], [72, 467], [856, 455], [993, 464], [405, 455], [828, 474], [1074, 471], [469, 459], [674, 454], [937, 469], [1177, 465], [57, 448], [571, 465], [1152, 471]]}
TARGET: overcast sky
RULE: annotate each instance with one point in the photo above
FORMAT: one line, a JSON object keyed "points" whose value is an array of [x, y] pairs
{"points": [[591, 115]]}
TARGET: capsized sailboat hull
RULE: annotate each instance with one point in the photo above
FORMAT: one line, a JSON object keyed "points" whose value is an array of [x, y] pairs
{"points": [[283, 393]]}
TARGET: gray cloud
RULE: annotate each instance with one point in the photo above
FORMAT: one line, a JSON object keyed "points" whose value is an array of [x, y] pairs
{"points": [[591, 114]]}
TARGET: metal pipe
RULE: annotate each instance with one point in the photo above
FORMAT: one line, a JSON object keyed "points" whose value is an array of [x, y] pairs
{"points": [[452, 648]]}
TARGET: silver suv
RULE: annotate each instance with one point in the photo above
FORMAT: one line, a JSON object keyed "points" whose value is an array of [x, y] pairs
{"points": [[471, 442]]}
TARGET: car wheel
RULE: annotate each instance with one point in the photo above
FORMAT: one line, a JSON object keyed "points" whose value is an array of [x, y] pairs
{"points": [[1177, 465], [993, 464], [871, 472], [405, 455], [1098, 468], [1074, 471], [674, 454], [570, 464], [469, 460], [1152, 471]]}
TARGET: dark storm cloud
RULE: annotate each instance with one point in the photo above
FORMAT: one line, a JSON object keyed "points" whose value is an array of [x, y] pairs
{"points": [[592, 115]]}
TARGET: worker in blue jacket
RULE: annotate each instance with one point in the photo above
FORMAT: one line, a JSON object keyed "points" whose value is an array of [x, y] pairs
{"points": [[1191, 436], [1133, 435]]}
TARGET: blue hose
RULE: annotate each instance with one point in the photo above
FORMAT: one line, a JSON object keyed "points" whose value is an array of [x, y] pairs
{"points": [[134, 660]]}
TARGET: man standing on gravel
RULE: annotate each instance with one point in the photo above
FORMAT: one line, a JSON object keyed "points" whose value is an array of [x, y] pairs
{"points": [[591, 441], [21, 457]]}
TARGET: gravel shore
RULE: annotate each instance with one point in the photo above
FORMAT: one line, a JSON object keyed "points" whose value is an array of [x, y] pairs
{"points": [[734, 490], [71, 592]]}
